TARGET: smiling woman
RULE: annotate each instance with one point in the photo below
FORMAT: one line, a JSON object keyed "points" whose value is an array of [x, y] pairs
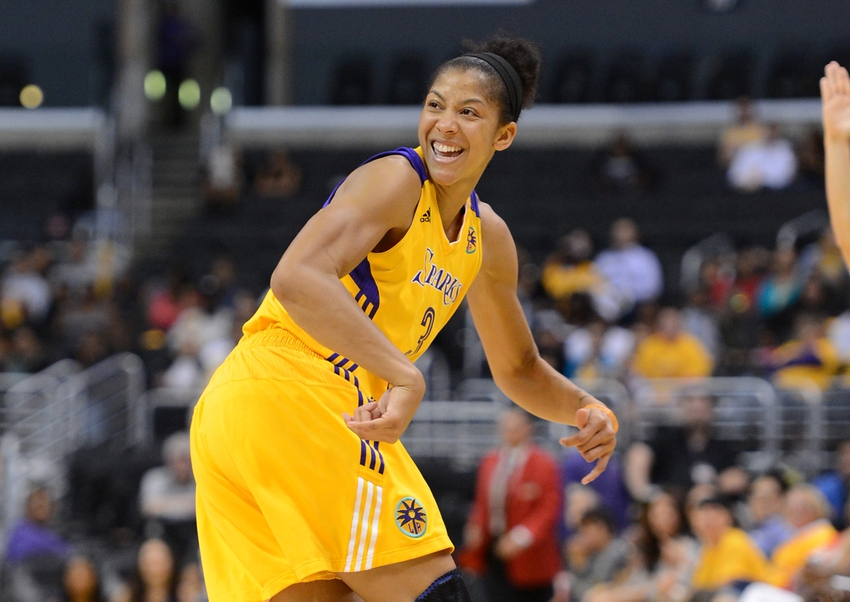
{"points": [[303, 491]]}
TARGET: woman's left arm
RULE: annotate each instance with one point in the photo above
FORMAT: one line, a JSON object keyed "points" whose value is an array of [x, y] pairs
{"points": [[513, 357]]}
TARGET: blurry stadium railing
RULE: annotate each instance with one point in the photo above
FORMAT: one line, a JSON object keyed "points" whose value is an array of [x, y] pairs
{"points": [[53, 413], [799, 427], [541, 126]]}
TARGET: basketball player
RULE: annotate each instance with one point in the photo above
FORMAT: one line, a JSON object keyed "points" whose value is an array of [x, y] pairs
{"points": [[835, 92], [304, 492]]}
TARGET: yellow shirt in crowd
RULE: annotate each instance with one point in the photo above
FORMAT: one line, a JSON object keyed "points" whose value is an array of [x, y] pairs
{"points": [[735, 557], [684, 356], [791, 556]]}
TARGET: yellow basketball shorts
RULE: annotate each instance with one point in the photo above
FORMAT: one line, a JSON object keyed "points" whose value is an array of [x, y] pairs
{"points": [[286, 493]]}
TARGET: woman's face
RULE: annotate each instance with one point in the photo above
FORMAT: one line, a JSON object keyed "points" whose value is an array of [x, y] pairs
{"points": [[80, 577], [664, 520], [156, 564], [459, 127]]}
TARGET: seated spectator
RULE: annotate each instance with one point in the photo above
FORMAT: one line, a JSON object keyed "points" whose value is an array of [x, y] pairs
{"points": [[765, 503], [595, 555], [27, 352], [569, 268], [33, 537], [768, 163], [807, 359], [598, 350], [510, 537], [167, 497], [681, 456], [613, 495], [810, 159], [727, 554], [700, 320], [633, 271], [663, 557], [280, 177], [24, 286], [35, 552], [835, 484], [779, 292], [578, 499], [670, 352], [806, 511], [223, 177], [746, 130], [620, 168], [81, 581], [154, 577]]}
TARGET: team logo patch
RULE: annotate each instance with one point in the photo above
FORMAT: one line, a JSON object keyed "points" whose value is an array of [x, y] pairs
{"points": [[471, 240], [410, 517]]}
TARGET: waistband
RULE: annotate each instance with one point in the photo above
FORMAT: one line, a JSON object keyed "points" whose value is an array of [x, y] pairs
{"points": [[278, 337]]}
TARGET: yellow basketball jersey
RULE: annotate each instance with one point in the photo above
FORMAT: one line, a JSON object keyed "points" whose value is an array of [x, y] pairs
{"points": [[409, 291]]}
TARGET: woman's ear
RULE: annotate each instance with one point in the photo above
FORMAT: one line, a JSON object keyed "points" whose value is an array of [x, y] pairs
{"points": [[505, 136]]}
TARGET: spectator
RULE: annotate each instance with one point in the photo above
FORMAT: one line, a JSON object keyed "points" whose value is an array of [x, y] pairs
{"points": [[745, 130], [280, 177], [27, 353], [807, 359], [806, 511], [33, 537], [510, 536], [25, 287], [613, 495], [154, 577], [35, 552], [632, 270], [835, 484], [780, 290], [569, 269], [594, 554], [81, 581], [727, 554], [811, 160], [663, 558], [669, 352], [598, 350], [768, 163], [679, 457], [620, 168], [167, 497], [223, 178], [765, 504], [700, 320]]}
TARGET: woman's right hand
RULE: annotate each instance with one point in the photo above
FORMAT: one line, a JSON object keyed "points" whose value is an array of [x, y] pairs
{"points": [[835, 93], [386, 419]]}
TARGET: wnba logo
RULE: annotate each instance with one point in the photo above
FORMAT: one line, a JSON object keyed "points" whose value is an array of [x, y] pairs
{"points": [[410, 517], [471, 240]]}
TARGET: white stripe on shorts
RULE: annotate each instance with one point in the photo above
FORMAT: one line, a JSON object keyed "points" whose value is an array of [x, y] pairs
{"points": [[354, 520], [364, 527]]}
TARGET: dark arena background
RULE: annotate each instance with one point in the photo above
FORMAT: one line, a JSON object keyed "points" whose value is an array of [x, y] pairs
{"points": [[666, 193]]}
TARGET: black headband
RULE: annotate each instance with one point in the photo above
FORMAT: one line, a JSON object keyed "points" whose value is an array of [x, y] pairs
{"points": [[509, 76]]}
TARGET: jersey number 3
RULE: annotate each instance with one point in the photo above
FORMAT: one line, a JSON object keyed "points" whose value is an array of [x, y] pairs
{"points": [[428, 323]]}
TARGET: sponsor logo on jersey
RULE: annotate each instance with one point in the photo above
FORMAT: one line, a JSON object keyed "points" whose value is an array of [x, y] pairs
{"points": [[411, 518], [471, 240], [435, 276], [426, 217]]}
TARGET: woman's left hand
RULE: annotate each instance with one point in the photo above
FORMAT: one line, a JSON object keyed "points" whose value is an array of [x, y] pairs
{"points": [[385, 420], [595, 440]]}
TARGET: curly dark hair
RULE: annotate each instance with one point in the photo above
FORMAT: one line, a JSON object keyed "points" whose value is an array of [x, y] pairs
{"points": [[523, 55]]}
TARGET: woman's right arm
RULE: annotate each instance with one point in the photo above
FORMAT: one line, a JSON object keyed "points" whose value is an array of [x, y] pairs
{"points": [[374, 204], [835, 93]]}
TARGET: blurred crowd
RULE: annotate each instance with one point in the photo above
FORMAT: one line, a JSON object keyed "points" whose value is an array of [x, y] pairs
{"points": [[677, 515]]}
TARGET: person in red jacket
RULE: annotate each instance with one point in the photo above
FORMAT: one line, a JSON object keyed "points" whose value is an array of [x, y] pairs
{"points": [[511, 535]]}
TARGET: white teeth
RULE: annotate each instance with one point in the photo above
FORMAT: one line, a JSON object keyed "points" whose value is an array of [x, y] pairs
{"points": [[446, 148]]}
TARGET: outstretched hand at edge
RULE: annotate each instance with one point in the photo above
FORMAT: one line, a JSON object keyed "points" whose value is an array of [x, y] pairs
{"points": [[835, 94]]}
